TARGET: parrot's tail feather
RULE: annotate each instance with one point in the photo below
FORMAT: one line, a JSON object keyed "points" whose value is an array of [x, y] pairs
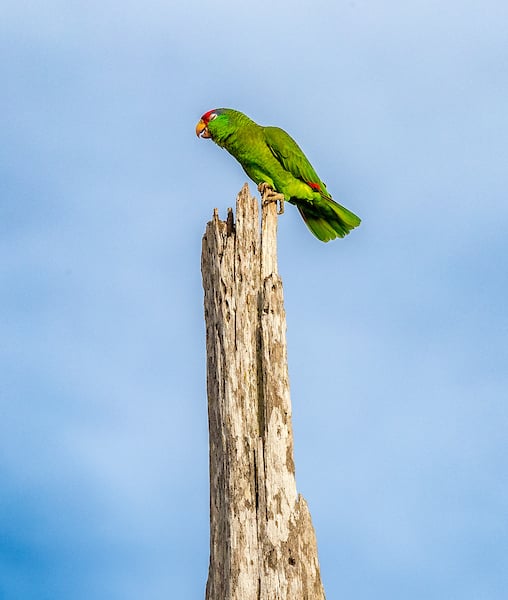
{"points": [[319, 226], [328, 221]]}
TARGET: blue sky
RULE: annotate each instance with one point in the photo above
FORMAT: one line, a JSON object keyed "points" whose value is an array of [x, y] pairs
{"points": [[397, 335]]}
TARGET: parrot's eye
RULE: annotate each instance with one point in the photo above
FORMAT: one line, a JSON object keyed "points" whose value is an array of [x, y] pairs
{"points": [[212, 116]]}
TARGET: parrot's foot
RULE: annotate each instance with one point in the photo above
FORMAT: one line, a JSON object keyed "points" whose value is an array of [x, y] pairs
{"points": [[268, 194]]}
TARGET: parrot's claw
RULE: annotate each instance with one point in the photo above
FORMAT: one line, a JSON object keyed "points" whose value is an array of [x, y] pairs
{"points": [[268, 194]]}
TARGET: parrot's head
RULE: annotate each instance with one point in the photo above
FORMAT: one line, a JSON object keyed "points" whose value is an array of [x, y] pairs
{"points": [[211, 122]]}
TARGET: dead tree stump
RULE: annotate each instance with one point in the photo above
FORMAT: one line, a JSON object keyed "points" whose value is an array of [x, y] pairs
{"points": [[262, 542]]}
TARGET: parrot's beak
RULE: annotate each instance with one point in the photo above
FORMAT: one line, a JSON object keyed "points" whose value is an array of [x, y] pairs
{"points": [[202, 130]]}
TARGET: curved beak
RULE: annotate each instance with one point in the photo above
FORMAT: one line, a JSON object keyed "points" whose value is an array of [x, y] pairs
{"points": [[202, 130]]}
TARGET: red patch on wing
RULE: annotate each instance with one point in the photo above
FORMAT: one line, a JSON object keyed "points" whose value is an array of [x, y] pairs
{"points": [[315, 186]]}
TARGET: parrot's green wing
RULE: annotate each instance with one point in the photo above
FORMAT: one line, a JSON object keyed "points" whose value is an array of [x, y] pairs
{"points": [[291, 157], [324, 217]]}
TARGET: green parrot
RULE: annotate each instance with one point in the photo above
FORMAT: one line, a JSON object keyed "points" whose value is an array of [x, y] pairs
{"points": [[273, 160]]}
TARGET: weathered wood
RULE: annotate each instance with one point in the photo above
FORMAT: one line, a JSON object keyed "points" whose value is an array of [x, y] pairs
{"points": [[262, 542]]}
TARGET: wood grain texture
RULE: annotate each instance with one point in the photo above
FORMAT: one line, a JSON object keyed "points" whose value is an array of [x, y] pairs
{"points": [[262, 542]]}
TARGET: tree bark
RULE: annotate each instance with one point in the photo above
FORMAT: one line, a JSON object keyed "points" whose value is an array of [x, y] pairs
{"points": [[262, 542]]}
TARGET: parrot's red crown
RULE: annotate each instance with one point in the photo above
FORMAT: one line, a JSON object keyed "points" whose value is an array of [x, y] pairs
{"points": [[211, 114]]}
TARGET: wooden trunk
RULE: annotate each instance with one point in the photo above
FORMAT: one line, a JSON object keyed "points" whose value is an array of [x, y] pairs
{"points": [[262, 542]]}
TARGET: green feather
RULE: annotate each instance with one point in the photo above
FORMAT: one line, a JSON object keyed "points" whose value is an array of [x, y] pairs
{"points": [[270, 155]]}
